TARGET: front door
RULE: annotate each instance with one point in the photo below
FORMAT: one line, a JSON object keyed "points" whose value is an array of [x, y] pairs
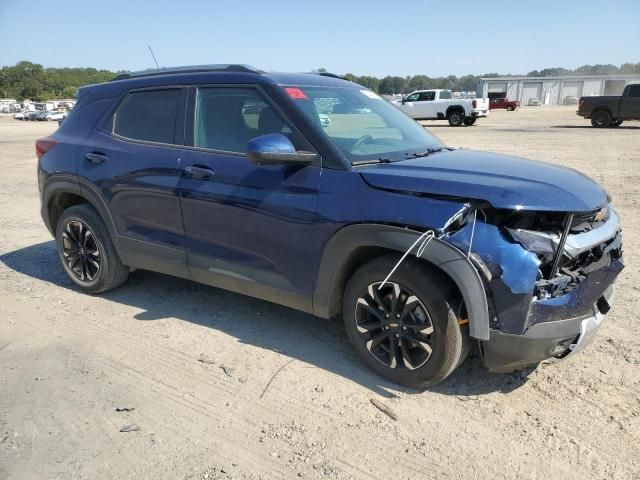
{"points": [[249, 228], [421, 105]]}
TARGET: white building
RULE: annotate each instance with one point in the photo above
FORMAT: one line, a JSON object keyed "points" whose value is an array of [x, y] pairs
{"points": [[554, 90]]}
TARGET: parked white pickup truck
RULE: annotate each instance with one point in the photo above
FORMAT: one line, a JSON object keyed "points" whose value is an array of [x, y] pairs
{"points": [[440, 105]]}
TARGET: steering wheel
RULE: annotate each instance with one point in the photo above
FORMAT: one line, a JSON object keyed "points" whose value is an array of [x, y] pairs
{"points": [[361, 141]]}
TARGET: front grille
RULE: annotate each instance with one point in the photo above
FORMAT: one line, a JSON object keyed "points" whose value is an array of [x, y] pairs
{"points": [[585, 222]]}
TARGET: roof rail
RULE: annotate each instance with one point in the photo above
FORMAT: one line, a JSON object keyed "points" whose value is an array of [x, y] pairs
{"points": [[223, 67], [332, 75]]}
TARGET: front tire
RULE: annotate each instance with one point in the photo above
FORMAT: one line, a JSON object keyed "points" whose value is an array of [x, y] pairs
{"points": [[87, 252], [617, 123], [509, 108], [456, 118], [601, 119], [468, 121], [407, 332]]}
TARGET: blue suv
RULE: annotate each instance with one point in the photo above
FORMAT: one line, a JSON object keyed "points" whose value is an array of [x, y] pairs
{"points": [[313, 192]]}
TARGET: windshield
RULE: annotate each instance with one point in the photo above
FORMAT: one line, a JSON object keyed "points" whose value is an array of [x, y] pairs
{"points": [[362, 124]]}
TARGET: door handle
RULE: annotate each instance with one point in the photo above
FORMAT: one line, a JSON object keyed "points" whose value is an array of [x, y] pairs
{"points": [[199, 172], [95, 157]]}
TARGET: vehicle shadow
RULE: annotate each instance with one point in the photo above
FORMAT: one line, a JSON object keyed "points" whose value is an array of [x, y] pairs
{"points": [[300, 336], [621, 127]]}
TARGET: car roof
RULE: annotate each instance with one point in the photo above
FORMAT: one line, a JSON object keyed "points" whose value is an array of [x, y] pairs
{"points": [[217, 73]]}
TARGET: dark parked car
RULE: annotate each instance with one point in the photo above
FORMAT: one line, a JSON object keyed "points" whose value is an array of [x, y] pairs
{"points": [[419, 247], [611, 111], [509, 105]]}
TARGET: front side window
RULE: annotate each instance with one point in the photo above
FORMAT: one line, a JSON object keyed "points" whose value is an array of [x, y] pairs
{"points": [[414, 97], [227, 118], [148, 115], [362, 124]]}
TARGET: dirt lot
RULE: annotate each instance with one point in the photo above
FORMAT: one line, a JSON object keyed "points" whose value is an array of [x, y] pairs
{"points": [[223, 386]]}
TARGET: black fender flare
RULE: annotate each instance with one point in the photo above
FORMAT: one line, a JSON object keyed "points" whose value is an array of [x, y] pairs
{"points": [[60, 183], [452, 108], [449, 259]]}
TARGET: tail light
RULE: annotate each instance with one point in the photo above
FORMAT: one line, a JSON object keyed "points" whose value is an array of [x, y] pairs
{"points": [[474, 104], [43, 145], [580, 102]]}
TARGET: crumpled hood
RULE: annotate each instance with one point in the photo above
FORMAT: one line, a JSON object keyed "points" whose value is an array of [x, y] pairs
{"points": [[504, 181]]}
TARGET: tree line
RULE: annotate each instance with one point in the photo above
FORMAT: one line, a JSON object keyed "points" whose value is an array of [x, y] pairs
{"points": [[467, 83], [26, 80]]}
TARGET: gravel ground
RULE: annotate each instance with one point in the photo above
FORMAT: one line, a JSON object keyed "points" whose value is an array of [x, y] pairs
{"points": [[218, 385]]}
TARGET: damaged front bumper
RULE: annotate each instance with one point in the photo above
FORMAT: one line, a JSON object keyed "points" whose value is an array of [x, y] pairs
{"points": [[554, 341], [531, 322]]}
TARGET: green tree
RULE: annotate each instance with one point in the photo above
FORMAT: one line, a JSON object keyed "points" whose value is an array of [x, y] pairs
{"points": [[627, 68]]}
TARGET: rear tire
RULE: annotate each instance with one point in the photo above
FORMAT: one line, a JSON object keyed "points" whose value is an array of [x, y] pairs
{"points": [[601, 119], [87, 252], [456, 118], [408, 332], [468, 121]]}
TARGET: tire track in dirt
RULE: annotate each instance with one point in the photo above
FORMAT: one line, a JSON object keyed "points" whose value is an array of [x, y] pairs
{"points": [[249, 405]]}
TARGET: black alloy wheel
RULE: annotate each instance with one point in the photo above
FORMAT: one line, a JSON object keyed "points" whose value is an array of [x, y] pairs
{"points": [[81, 251], [87, 252], [394, 325], [456, 118]]}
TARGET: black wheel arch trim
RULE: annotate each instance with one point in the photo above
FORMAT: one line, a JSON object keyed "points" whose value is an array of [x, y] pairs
{"points": [[455, 108], [343, 244], [62, 183]]}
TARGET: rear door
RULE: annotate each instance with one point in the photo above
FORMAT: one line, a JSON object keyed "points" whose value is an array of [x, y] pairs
{"points": [[249, 228], [133, 162], [630, 103]]}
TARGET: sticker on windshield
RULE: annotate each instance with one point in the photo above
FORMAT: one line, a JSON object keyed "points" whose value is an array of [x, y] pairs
{"points": [[370, 94]]}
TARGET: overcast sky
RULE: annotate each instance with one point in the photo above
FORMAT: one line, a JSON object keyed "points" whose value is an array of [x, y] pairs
{"points": [[361, 37]]}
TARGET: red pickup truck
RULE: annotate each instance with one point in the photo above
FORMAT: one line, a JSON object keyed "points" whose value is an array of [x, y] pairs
{"points": [[510, 105]]}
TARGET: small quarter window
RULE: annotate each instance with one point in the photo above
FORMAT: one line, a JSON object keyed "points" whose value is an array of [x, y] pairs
{"points": [[148, 115]]}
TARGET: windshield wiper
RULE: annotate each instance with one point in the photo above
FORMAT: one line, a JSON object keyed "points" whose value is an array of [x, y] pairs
{"points": [[371, 161], [426, 153]]}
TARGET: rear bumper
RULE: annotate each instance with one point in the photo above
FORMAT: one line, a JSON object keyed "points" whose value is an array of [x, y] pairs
{"points": [[555, 341], [480, 113]]}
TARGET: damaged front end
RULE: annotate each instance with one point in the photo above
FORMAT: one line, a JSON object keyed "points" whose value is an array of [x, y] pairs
{"points": [[549, 276]]}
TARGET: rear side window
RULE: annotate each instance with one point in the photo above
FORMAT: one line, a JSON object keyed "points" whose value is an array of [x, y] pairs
{"points": [[148, 115], [445, 95], [634, 91]]}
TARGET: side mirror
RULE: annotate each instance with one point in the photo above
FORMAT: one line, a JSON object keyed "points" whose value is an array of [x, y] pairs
{"points": [[276, 149], [404, 100]]}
